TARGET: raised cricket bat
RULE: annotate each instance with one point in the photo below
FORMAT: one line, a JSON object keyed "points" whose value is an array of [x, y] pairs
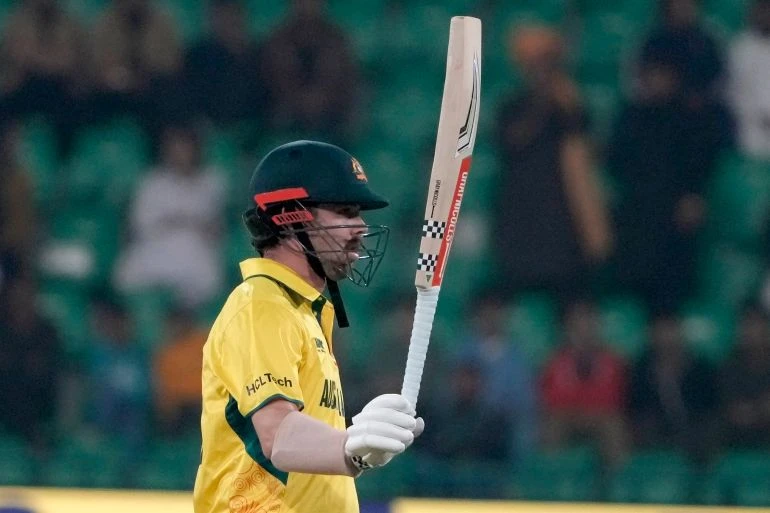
{"points": [[456, 137]]}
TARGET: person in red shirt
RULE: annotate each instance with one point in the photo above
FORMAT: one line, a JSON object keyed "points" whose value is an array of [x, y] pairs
{"points": [[583, 389]]}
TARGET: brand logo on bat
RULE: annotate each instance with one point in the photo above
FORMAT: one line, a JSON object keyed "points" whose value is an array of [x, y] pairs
{"points": [[446, 243], [450, 229], [467, 131]]}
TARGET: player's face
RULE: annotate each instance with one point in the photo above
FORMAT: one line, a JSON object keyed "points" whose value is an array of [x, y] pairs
{"points": [[339, 243]]}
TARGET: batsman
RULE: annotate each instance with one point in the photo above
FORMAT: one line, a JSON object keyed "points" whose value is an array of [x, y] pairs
{"points": [[273, 422]]}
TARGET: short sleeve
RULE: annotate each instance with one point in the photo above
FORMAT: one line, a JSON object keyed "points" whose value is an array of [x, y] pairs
{"points": [[259, 356]]}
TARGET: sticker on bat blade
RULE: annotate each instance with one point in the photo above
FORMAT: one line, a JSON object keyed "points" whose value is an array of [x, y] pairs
{"points": [[426, 262], [433, 229], [434, 199], [468, 130], [446, 241]]}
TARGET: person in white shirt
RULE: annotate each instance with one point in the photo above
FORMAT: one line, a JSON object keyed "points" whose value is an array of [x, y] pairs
{"points": [[175, 225], [749, 76]]}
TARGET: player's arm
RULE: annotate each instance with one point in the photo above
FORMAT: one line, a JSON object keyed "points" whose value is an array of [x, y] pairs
{"points": [[296, 442]]}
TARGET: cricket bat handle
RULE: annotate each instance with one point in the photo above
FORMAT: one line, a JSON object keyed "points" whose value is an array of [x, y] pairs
{"points": [[418, 343]]}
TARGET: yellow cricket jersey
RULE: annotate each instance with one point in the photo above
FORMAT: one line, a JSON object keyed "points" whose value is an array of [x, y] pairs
{"points": [[271, 340]]}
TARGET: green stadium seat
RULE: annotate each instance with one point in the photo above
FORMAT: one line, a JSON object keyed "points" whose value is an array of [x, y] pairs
{"points": [[729, 17], [169, 465], [602, 101], [729, 275], [40, 155], [708, 329], [606, 39], [663, 477], [361, 22], [86, 10], [483, 179], [89, 462], [264, 16], [739, 201], [506, 15], [406, 115], [533, 324], [81, 246], [149, 309], [568, 475], [459, 478], [107, 163], [739, 477], [221, 149], [417, 30], [6, 7], [189, 17], [66, 305], [17, 467], [644, 10], [624, 325], [396, 479], [389, 170]]}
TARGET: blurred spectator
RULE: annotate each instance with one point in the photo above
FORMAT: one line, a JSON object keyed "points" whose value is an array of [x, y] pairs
{"points": [[176, 237], [548, 186], [135, 57], [507, 382], [464, 425], [745, 384], [177, 368], [119, 373], [682, 41], [17, 209], [673, 394], [584, 389], [311, 74], [30, 365], [39, 54], [749, 65], [661, 154], [222, 71]]}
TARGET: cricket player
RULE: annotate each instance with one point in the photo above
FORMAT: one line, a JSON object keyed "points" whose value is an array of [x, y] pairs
{"points": [[273, 422]]}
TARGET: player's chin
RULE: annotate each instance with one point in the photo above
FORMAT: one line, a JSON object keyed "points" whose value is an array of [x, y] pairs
{"points": [[336, 272]]}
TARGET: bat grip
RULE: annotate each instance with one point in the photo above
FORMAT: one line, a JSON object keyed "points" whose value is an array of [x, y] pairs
{"points": [[418, 343]]}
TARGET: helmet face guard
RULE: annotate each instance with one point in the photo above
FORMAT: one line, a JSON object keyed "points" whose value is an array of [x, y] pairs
{"points": [[286, 215], [372, 248]]}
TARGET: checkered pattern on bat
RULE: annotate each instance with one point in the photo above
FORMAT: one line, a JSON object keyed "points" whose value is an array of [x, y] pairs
{"points": [[426, 262], [433, 229]]}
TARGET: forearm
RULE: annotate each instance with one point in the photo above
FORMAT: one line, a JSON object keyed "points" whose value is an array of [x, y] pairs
{"points": [[585, 198], [304, 444]]}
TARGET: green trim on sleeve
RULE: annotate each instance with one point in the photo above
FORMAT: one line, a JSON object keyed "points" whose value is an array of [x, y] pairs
{"points": [[243, 427], [272, 398]]}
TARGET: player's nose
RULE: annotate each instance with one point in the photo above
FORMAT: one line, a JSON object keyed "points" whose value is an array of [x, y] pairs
{"points": [[358, 228]]}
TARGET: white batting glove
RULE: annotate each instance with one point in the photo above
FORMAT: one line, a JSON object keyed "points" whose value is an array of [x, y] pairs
{"points": [[383, 429]]}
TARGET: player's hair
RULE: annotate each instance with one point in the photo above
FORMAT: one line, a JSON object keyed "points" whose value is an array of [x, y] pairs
{"points": [[262, 236]]}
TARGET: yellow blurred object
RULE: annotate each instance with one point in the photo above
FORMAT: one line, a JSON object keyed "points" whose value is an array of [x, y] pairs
{"points": [[49, 500], [436, 506]]}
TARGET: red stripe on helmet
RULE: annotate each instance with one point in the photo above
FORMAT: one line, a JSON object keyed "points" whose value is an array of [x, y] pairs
{"points": [[265, 198]]}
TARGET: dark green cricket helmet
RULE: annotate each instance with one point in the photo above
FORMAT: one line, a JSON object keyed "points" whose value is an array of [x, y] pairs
{"points": [[312, 172]]}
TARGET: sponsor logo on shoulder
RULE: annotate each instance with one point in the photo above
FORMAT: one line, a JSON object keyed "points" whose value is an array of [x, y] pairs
{"points": [[264, 379]]}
